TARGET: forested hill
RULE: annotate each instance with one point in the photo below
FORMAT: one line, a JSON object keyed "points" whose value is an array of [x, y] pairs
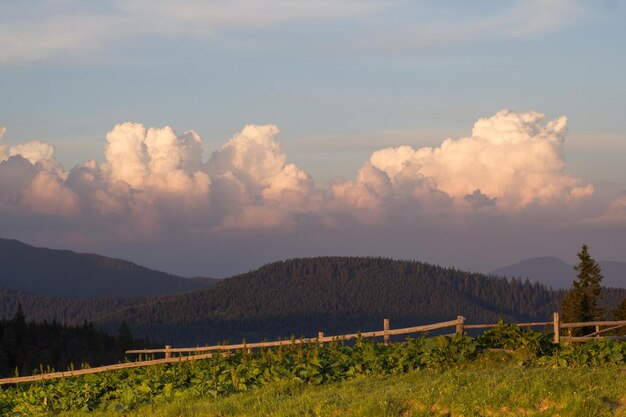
{"points": [[334, 294], [64, 310], [70, 274], [303, 296]]}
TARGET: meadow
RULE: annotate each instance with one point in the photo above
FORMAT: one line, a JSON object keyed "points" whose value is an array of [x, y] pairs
{"points": [[505, 371]]}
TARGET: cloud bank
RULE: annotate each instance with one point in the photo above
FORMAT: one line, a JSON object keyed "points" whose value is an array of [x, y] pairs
{"points": [[155, 183], [511, 161]]}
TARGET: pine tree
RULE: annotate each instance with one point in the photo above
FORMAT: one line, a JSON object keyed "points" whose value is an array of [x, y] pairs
{"points": [[581, 302]]}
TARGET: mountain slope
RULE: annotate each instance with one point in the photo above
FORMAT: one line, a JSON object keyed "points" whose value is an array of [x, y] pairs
{"points": [[555, 273], [333, 294], [548, 270], [70, 311], [303, 296], [70, 274]]}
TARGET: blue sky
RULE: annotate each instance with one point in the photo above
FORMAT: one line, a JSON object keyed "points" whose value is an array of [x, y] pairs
{"points": [[341, 79]]}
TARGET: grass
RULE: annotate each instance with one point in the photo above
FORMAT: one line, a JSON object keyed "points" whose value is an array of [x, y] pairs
{"points": [[492, 386]]}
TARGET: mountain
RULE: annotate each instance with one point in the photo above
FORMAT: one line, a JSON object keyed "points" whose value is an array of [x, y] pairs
{"points": [[334, 295], [292, 297], [64, 273], [548, 270], [555, 273]]}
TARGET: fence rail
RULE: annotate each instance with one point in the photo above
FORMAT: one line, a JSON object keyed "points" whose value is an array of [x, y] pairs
{"points": [[198, 353], [320, 339], [195, 353]]}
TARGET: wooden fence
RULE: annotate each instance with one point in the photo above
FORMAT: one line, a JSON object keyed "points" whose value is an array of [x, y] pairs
{"points": [[173, 355]]}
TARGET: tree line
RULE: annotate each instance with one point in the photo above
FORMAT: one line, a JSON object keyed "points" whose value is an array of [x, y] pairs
{"points": [[583, 302], [27, 347]]}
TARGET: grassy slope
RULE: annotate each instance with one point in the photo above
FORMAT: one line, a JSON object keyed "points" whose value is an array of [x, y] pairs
{"points": [[479, 389]]}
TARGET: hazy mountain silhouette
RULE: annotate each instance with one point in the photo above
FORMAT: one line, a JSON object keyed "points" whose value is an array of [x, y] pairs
{"points": [[555, 273], [69, 274]]}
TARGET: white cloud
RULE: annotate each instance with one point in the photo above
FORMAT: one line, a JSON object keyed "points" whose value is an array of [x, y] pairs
{"points": [[253, 157], [506, 184], [35, 151], [155, 182], [513, 159], [254, 173], [156, 159], [47, 194]]}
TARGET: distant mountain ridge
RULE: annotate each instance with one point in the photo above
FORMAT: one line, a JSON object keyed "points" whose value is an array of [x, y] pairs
{"points": [[64, 273], [291, 297], [555, 273], [333, 294]]}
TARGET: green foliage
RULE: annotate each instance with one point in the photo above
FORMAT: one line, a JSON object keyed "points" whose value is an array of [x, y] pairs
{"points": [[311, 364], [581, 302], [601, 352], [220, 376], [511, 336]]}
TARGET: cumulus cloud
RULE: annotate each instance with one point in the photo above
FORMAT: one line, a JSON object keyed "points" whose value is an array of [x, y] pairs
{"points": [[251, 170], [47, 194], [511, 161], [154, 181], [253, 157], [33, 151]]}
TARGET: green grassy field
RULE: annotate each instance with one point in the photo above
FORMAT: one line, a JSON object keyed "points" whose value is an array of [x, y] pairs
{"points": [[493, 386], [505, 371]]}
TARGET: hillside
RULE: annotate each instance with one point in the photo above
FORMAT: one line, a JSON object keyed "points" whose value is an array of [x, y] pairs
{"points": [[333, 294], [303, 296], [65, 310], [64, 273], [555, 273]]}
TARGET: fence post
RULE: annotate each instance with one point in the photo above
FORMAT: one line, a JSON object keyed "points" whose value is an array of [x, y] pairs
{"points": [[557, 328], [320, 337], [597, 332], [460, 325], [168, 354], [385, 331]]}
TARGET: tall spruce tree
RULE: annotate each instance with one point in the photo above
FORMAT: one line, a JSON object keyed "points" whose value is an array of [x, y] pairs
{"points": [[581, 302]]}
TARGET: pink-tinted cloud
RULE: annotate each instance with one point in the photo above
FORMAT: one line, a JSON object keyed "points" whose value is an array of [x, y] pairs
{"points": [[155, 184]]}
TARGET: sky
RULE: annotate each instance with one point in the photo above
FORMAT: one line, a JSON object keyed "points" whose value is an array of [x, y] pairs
{"points": [[208, 137]]}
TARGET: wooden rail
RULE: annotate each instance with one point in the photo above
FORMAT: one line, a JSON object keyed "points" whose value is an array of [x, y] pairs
{"points": [[492, 326], [593, 323], [197, 353], [168, 350], [126, 365], [323, 339]]}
